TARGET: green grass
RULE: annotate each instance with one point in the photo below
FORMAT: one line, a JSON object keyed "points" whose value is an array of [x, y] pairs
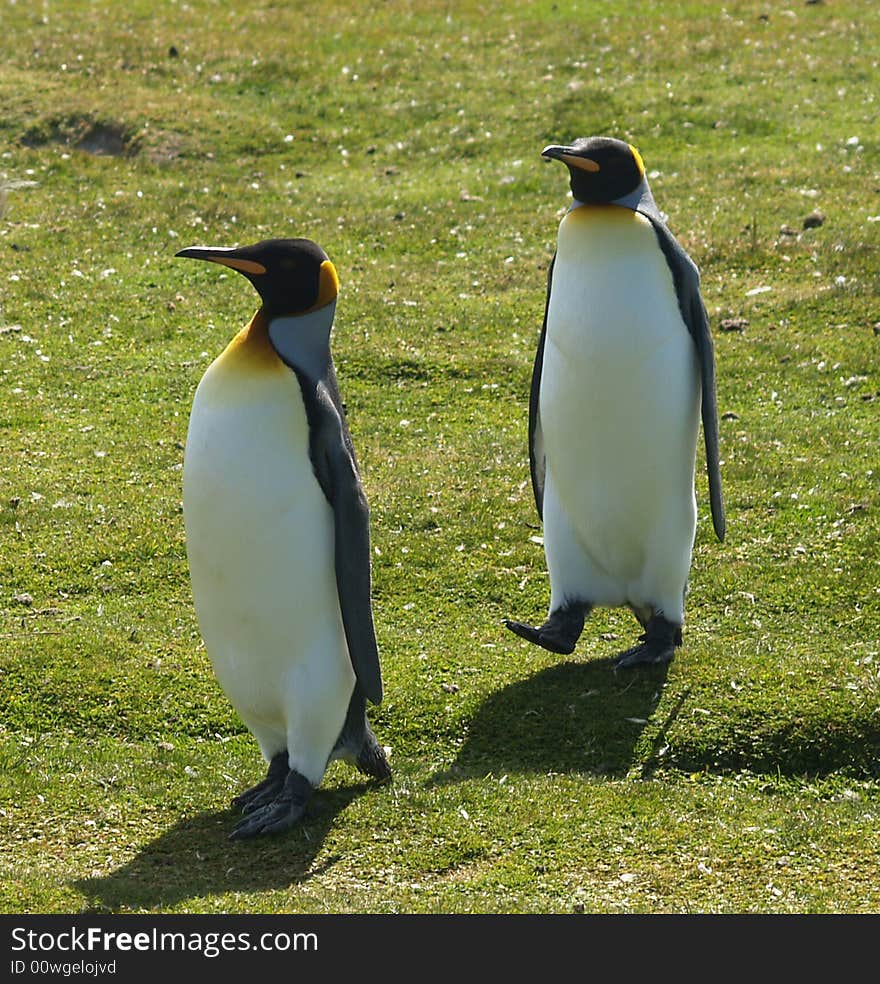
{"points": [[406, 139]]}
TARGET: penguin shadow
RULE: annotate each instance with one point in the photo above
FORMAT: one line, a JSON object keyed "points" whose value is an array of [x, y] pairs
{"points": [[573, 717], [195, 858]]}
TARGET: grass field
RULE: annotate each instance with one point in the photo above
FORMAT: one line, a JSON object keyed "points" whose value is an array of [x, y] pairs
{"points": [[405, 138]]}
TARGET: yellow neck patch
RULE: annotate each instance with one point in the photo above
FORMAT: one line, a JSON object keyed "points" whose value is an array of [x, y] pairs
{"points": [[251, 346]]}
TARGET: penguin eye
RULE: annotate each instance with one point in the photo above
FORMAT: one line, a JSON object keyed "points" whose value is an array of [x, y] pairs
{"points": [[288, 264]]}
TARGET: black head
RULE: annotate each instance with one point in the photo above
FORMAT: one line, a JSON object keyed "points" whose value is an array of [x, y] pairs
{"points": [[602, 169], [291, 276]]}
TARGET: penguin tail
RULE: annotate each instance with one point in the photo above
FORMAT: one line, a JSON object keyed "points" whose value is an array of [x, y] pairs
{"points": [[372, 759], [357, 743]]}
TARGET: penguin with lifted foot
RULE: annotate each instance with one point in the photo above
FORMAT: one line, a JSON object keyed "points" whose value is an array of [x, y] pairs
{"points": [[624, 372], [278, 538]]}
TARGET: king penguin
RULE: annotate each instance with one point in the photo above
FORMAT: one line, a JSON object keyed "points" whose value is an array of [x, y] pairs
{"points": [[624, 371], [278, 537]]}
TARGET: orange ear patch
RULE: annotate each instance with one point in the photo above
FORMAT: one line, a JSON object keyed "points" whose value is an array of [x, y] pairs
{"points": [[637, 157], [328, 284]]}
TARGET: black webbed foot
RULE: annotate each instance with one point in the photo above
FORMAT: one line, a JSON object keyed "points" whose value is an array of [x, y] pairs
{"points": [[268, 789], [280, 813], [656, 645], [559, 634]]}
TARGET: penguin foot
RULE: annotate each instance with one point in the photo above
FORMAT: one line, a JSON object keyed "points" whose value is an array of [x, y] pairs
{"points": [[657, 645], [559, 633], [280, 814], [268, 789], [372, 760]]}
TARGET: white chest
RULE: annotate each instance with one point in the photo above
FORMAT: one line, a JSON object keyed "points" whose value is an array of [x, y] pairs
{"points": [[259, 529]]}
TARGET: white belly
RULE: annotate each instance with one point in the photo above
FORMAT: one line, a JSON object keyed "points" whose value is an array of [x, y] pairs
{"points": [[260, 545], [619, 410]]}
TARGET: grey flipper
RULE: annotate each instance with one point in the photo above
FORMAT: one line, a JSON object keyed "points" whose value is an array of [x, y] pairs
{"points": [[335, 466], [686, 279], [537, 461], [336, 469]]}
